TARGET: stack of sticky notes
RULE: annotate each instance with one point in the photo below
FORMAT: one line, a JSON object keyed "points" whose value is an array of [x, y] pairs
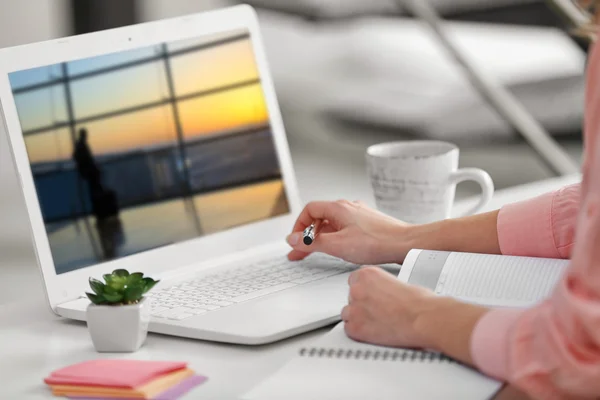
{"points": [[124, 379]]}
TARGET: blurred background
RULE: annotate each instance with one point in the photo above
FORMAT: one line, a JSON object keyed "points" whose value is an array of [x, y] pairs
{"points": [[353, 73]]}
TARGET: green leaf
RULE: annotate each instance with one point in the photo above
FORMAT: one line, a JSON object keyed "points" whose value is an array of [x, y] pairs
{"points": [[113, 297], [135, 277], [149, 283], [111, 290], [121, 272], [97, 286], [117, 282], [134, 292], [96, 299]]}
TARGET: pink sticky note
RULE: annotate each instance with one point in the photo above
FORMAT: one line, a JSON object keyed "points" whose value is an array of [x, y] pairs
{"points": [[113, 373], [173, 393]]}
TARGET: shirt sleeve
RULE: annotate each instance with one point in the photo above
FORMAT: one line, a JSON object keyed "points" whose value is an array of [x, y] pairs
{"points": [[552, 351], [541, 227]]}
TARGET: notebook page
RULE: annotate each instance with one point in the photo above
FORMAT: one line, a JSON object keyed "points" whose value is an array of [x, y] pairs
{"points": [[495, 280], [331, 377]]}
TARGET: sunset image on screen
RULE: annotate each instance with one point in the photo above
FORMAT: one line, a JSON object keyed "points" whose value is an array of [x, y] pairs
{"points": [[135, 150]]}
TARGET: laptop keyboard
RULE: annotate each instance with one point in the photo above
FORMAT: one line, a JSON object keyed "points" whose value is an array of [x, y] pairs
{"points": [[234, 286]]}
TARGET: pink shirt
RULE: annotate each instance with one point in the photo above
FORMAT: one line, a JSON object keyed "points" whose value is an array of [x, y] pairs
{"points": [[552, 351]]}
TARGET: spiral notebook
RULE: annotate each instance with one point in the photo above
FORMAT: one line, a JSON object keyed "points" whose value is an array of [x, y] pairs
{"points": [[336, 367]]}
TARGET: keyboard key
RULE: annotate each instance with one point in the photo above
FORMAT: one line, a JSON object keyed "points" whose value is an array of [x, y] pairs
{"points": [[178, 310], [210, 307], [264, 292], [273, 282], [315, 277], [158, 310], [260, 286], [180, 317], [168, 305], [209, 302], [224, 303]]}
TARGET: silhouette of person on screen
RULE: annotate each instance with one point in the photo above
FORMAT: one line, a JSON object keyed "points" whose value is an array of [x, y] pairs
{"points": [[86, 165], [104, 201]]}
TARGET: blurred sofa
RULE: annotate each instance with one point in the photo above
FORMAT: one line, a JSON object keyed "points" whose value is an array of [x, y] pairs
{"points": [[391, 72]]}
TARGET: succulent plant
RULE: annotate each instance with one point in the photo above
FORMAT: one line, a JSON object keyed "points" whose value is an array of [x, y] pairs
{"points": [[120, 288]]}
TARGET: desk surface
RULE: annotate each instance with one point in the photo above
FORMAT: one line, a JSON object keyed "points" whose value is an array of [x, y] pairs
{"points": [[33, 342]]}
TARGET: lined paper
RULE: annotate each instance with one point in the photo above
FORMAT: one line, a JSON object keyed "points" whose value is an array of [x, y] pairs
{"points": [[495, 280]]}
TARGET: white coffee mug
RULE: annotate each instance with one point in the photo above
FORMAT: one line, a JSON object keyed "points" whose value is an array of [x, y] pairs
{"points": [[415, 181]]}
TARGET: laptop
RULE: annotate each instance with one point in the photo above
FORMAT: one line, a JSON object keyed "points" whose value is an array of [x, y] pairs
{"points": [[160, 148]]}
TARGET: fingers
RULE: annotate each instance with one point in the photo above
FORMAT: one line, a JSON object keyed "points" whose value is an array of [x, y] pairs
{"points": [[322, 243], [313, 211], [356, 314], [346, 314], [333, 212], [296, 255], [365, 273]]}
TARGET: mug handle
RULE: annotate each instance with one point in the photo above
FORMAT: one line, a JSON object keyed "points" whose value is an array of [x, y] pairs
{"points": [[479, 176]]}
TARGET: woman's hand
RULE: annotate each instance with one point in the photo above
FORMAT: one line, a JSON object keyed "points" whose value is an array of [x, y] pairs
{"points": [[384, 311], [353, 232]]}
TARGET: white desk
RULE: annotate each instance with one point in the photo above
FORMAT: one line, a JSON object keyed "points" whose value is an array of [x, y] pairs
{"points": [[33, 342]]}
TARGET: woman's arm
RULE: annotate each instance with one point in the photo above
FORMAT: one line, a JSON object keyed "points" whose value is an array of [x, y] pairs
{"points": [[475, 234], [540, 227]]}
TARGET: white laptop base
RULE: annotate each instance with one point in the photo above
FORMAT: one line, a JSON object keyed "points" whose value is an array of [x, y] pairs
{"points": [[262, 302]]}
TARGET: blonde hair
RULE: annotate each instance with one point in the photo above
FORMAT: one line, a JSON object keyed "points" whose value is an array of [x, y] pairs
{"points": [[591, 11]]}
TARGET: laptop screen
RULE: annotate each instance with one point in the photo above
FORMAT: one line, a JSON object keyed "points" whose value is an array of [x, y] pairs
{"points": [[136, 150]]}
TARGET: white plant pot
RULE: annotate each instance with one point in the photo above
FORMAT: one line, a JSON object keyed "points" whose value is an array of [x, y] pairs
{"points": [[119, 329]]}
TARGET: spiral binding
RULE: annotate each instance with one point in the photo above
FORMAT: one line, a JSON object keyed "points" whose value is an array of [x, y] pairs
{"points": [[403, 355]]}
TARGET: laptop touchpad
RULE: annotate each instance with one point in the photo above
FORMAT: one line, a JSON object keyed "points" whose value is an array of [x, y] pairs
{"points": [[297, 309]]}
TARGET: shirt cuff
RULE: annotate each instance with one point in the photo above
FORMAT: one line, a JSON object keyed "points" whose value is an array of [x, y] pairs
{"points": [[490, 342], [525, 228]]}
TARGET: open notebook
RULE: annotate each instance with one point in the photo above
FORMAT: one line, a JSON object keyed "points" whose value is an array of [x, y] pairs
{"points": [[491, 280], [336, 367]]}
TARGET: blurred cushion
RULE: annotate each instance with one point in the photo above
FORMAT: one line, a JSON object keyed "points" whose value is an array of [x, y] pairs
{"points": [[349, 8], [414, 83]]}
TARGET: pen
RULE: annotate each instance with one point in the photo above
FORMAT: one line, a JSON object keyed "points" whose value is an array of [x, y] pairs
{"points": [[309, 233]]}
